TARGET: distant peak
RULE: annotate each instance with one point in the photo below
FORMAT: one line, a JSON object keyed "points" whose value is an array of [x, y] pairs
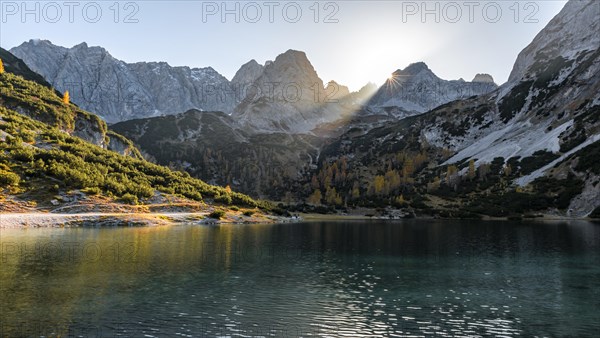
{"points": [[413, 69], [38, 41], [294, 52], [252, 63], [487, 78], [291, 54], [81, 45]]}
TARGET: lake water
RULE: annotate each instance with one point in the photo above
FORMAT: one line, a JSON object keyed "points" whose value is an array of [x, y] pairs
{"points": [[412, 278]]}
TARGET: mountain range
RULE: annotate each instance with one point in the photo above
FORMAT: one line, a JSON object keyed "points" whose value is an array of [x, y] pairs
{"points": [[284, 95], [420, 143]]}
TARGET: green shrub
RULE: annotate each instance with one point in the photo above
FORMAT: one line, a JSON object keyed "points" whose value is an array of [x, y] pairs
{"points": [[129, 199], [217, 214], [91, 191], [248, 213], [234, 208], [8, 178], [225, 199]]}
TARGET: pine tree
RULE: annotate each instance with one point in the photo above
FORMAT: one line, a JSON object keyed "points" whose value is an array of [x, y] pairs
{"points": [[66, 98], [1, 67]]}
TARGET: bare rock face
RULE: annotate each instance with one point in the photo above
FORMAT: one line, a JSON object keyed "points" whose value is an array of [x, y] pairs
{"points": [[285, 97], [572, 31], [485, 78], [416, 89], [118, 91], [247, 74], [336, 91]]}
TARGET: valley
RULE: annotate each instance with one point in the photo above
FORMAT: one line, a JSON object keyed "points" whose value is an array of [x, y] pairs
{"points": [[417, 146]]}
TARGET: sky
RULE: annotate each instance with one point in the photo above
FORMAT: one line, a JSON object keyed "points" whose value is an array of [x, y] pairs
{"points": [[351, 42]]}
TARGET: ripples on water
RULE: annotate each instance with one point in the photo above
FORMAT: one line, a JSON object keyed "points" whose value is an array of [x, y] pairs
{"points": [[417, 278]]}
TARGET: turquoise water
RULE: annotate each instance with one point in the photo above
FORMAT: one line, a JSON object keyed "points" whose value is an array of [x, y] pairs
{"points": [[413, 278]]}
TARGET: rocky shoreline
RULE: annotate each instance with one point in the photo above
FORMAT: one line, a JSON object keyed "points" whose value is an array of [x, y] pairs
{"points": [[52, 220]]}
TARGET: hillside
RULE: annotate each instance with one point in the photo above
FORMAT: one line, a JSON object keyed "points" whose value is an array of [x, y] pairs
{"points": [[46, 158], [528, 147], [209, 146]]}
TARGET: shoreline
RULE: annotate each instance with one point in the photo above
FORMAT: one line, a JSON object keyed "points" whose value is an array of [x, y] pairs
{"points": [[24, 220]]}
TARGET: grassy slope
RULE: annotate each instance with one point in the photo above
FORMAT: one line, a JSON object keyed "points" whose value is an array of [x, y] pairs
{"points": [[39, 156]]}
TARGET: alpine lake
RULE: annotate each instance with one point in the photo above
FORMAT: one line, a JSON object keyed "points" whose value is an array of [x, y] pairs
{"points": [[333, 279]]}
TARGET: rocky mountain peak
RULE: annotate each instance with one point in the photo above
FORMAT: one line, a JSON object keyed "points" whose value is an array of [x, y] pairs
{"points": [[82, 45], [486, 78], [413, 69], [285, 97], [573, 30], [119, 91], [335, 91], [292, 67], [416, 89], [248, 73]]}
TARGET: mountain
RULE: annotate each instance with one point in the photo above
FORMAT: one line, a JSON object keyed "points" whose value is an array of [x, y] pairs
{"points": [[48, 161], [416, 89], [529, 146], [119, 91], [14, 65], [485, 78], [210, 146], [247, 74], [70, 119], [283, 97]]}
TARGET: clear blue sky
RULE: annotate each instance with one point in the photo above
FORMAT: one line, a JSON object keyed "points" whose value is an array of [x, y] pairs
{"points": [[369, 41]]}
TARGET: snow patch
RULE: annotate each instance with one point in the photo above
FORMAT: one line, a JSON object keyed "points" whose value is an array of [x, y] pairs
{"points": [[513, 140], [523, 181]]}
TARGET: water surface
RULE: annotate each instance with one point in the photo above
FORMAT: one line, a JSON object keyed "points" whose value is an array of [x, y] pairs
{"points": [[412, 278]]}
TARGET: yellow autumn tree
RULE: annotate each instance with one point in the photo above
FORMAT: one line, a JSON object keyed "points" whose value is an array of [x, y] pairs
{"points": [[378, 184], [356, 190], [332, 197], [315, 198], [66, 98], [1, 67], [471, 173], [228, 189], [507, 170], [399, 200]]}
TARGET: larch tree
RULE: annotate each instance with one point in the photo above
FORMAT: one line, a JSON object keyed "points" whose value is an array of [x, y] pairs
{"points": [[1, 67], [66, 98], [315, 198], [471, 169]]}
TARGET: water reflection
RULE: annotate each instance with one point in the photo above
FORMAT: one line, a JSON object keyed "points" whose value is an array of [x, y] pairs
{"points": [[337, 279]]}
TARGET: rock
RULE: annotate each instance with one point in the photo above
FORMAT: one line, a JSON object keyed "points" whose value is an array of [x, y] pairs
{"points": [[119, 91], [485, 78], [416, 89]]}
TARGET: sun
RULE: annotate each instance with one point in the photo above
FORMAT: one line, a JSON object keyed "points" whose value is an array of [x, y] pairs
{"points": [[393, 81]]}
